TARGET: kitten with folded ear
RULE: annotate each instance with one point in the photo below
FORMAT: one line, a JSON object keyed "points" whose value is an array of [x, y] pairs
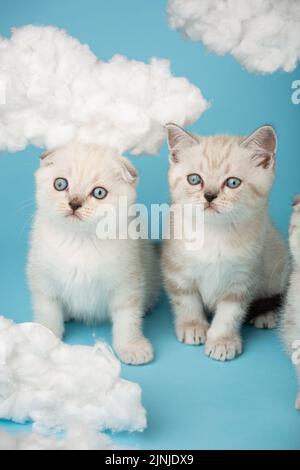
{"points": [[290, 325], [73, 274], [243, 257]]}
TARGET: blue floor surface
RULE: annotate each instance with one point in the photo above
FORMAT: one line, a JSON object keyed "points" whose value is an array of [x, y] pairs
{"points": [[196, 403]]}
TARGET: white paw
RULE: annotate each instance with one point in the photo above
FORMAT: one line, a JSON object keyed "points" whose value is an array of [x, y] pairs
{"points": [[266, 321], [223, 348], [192, 332], [297, 404], [135, 352]]}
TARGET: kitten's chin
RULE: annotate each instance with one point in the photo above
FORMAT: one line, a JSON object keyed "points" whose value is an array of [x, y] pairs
{"points": [[74, 222], [211, 209], [74, 217]]}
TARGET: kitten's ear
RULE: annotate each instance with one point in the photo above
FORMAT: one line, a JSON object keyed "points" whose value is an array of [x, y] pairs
{"points": [[296, 200], [263, 142], [45, 159], [179, 139], [129, 173]]}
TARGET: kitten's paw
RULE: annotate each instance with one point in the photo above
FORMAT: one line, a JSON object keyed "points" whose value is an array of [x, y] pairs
{"points": [[135, 352], [266, 321], [297, 404], [224, 348], [192, 332]]}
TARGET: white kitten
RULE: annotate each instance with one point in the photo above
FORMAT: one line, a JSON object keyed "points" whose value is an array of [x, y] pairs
{"points": [[72, 273], [291, 318], [243, 257]]}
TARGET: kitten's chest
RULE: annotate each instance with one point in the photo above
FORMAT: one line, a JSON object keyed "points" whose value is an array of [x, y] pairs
{"points": [[220, 268], [80, 261], [84, 274]]}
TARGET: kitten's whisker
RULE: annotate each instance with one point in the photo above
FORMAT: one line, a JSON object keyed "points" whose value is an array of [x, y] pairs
{"points": [[27, 222], [25, 205]]}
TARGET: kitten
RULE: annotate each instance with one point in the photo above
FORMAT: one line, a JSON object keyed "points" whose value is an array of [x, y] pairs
{"points": [[242, 257], [290, 326], [72, 273]]}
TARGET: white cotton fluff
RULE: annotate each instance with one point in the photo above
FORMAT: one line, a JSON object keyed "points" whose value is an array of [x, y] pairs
{"points": [[54, 90], [54, 384], [76, 439], [263, 35]]}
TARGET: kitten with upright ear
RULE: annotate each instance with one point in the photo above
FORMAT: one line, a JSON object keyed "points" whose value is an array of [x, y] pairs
{"points": [[73, 272], [263, 144], [178, 139], [242, 258], [129, 173]]}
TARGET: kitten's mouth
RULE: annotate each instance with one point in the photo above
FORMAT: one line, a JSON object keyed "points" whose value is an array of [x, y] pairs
{"points": [[210, 208], [74, 215]]}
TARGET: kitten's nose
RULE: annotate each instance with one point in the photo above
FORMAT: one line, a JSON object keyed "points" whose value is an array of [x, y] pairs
{"points": [[210, 197], [75, 204]]}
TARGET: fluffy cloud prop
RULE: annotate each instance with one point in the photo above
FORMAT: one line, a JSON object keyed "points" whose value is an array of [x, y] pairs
{"points": [[55, 384], [54, 89], [263, 35], [76, 439]]}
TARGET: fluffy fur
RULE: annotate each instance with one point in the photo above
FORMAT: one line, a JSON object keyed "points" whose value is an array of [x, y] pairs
{"points": [[75, 275], [263, 35], [55, 90], [242, 257], [291, 318]]}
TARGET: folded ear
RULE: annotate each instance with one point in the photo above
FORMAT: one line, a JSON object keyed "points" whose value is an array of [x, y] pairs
{"points": [[263, 143], [45, 158], [296, 200], [129, 173], [179, 139]]}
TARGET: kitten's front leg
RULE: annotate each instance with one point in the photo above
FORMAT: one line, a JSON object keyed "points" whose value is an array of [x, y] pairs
{"points": [[128, 340], [191, 323], [48, 312], [223, 337]]}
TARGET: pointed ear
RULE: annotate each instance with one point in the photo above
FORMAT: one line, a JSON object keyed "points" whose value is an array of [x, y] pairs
{"points": [[45, 159], [263, 143], [179, 139], [129, 173]]}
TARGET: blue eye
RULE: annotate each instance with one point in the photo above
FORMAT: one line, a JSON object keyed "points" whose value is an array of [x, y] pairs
{"points": [[61, 184], [194, 179], [99, 193], [233, 183]]}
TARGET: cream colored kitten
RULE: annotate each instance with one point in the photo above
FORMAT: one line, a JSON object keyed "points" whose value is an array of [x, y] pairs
{"points": [[243, 257], [291, 318], [75, 275]]}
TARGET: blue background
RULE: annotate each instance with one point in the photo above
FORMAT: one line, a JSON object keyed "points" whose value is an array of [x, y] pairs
{"points": [[192, 402]]}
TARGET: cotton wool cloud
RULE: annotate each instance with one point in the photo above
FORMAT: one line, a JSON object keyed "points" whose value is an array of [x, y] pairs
{"points": [[263, 35], [77, 438], [54, 384], [54, 90]]}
